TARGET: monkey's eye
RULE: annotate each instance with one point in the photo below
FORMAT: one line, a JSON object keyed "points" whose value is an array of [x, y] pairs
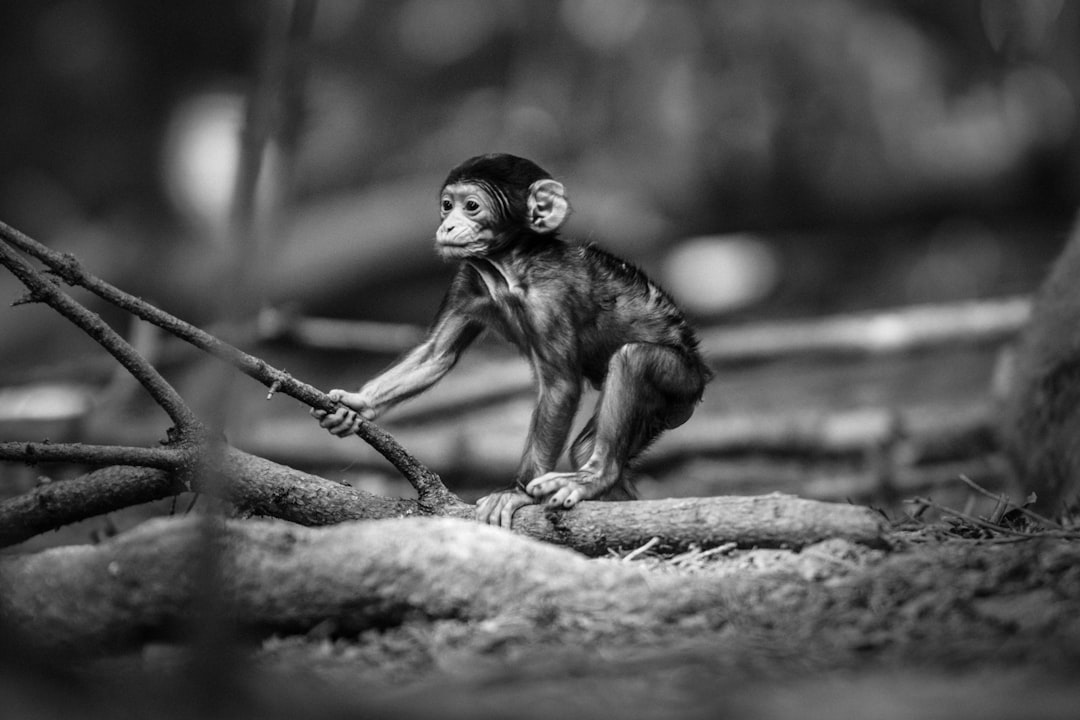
{"points": [[447, 206], [472, 206]]}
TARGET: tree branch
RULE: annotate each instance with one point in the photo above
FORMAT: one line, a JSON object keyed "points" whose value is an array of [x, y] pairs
{"points": [[255, 485], [164, 458], [429, 486], [42, 290], [56, 504], [770, 520], [261, 487]]}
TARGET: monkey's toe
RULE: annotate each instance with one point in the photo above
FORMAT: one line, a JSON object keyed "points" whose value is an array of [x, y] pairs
{"points": [[564, 489], [549, 483], [567, 496]]}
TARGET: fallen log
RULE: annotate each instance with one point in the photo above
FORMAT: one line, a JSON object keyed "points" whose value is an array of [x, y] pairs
{"points": [[279, 577], [274, 577], [263, 488]]}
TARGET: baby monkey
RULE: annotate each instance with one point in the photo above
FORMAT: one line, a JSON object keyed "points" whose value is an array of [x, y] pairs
{"points": [[575, 312]]}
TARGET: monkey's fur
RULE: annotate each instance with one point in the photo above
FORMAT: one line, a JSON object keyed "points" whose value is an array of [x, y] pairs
{"points": [[576, 313], [1040, 426]]}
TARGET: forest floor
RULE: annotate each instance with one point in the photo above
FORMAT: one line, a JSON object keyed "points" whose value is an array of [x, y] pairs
{"points": [[948, 620], [951, 620], [945, 623]]}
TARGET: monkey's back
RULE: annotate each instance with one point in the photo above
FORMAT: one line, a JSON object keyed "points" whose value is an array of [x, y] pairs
{"points": [[627, 307]]}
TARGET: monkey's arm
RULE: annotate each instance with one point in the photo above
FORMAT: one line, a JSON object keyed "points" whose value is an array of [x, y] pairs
{"points": [[422, 367], [452, 332]]}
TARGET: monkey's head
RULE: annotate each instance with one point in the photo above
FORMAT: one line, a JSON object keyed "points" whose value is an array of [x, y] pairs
{"points": [[492, 201]]}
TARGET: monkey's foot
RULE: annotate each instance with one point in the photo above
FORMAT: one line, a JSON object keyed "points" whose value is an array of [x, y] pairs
{"points": [[564, 489], [498, 508]]}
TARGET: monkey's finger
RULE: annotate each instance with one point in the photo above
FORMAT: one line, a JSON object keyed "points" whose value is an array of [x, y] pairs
{"points": [[341, 423], [499, 508], [511, 501], [346, 428], [483, 509], [332, 420], [506, 513]]}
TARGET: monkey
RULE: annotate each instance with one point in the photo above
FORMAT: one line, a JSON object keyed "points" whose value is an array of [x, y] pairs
{"points": [[1040, 419], [575, 312]]}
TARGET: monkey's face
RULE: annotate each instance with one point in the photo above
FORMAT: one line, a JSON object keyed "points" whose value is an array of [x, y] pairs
{"points": [[469, 222], [481, 216]]}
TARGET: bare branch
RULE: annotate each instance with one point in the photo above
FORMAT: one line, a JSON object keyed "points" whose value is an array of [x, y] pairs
{"points": [[680, 523], [60, 503], [163, 458], [256, 486], [429, 486], [45, 291]]}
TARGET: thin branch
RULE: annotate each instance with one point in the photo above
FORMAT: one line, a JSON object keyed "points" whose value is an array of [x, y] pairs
{"points": [[1002, 497], [992, 527], [429, 486], [163, 458], [90, 323]]}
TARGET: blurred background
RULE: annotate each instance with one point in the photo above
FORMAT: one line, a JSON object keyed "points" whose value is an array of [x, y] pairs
{"points": [[762, 160]]}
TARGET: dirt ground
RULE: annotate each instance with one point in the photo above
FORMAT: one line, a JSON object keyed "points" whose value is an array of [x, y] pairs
{"points": [[948, 621], [940, 625]]}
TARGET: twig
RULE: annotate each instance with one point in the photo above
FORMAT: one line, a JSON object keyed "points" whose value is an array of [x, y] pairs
{"points": [[1023, 511], [641, 550], [991, 527], [978, 522], [44, 291], [185, 439]]}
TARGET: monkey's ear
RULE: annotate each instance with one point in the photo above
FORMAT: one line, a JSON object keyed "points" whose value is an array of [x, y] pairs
{"points": [[547, 206]]}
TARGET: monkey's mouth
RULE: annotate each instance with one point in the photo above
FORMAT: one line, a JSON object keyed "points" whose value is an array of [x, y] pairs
{"points": [[451, 249]]}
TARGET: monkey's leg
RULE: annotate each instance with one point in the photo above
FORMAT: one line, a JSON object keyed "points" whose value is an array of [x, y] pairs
{"points": [[547, 436], [580, 452], [649, 389], [583, 444]]}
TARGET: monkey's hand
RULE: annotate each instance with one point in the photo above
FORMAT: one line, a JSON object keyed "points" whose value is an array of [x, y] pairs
{"points": [[345, 419], [498, 508], [566, 489]]}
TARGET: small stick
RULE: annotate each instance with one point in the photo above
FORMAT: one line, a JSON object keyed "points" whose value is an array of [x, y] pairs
{"points": [[1027, 513], [643, 549]]}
